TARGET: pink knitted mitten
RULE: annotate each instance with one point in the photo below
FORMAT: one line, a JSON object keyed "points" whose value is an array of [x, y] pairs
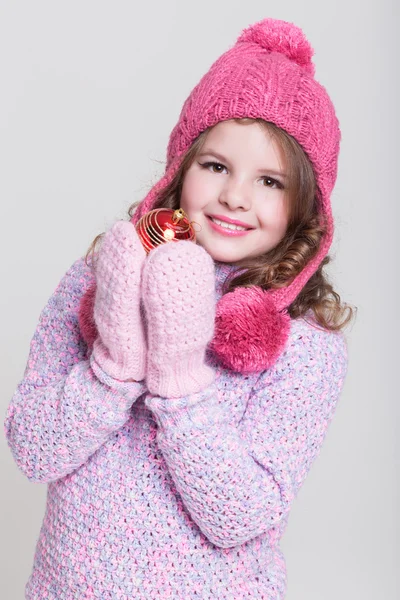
{"points": [[120, 348], [178, 291]]}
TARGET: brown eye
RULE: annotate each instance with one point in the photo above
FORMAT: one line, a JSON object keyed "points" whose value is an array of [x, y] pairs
{"points": [[272, 183], [213, 166]]}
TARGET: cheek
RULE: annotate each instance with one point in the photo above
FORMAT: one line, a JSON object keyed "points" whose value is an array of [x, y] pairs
{"points": [[193, 193], [274, 216]]}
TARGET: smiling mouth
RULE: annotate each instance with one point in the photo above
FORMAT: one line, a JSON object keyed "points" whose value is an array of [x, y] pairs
{"points": [[229, 226]]}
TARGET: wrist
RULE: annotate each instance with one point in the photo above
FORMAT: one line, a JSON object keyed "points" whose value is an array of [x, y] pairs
{"points": [[195, 411], [120, 368], [185, 377], [129, 389]]}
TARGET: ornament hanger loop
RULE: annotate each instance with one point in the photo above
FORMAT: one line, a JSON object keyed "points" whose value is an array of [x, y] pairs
{"points": [[178, 215]]}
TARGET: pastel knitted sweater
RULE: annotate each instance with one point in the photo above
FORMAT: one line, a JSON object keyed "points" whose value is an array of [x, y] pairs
{"points": [[152, 498]]}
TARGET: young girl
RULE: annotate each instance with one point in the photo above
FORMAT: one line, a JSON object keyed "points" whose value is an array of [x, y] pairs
{"points": [[176, 402]]}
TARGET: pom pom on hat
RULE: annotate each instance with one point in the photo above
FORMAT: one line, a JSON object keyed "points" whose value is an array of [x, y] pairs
{"points": [[250, 333], [283, 37]]}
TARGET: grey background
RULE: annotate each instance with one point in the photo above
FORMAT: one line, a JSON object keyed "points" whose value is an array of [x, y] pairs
{"points": [[90, 91]]}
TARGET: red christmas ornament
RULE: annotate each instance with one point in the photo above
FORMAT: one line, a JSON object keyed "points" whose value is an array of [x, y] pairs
{"points": [[164, 225]]}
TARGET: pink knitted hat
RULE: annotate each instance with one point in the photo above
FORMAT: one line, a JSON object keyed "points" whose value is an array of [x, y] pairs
{"points": [[267, 74]]}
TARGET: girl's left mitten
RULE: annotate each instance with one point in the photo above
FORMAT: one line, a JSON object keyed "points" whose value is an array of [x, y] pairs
{"points": [[120, 347], [178, 291]]}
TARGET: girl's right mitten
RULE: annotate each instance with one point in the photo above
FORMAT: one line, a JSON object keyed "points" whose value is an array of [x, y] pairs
{"points": [[120, 347]]}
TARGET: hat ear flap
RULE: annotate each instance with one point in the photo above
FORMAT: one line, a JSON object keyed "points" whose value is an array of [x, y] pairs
{"points": [[250, 333]]}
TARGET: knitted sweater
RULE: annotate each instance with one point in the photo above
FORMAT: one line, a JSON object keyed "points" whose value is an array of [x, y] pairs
{"points": [[151, 498]]}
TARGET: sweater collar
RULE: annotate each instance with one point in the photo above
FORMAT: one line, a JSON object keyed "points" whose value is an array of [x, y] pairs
{"points": [[222, 272]]}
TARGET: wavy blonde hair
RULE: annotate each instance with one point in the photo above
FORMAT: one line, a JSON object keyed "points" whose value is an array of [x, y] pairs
{"points": [[279, 266]]}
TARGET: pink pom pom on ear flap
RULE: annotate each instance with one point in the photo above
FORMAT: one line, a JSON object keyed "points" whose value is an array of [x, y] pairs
{"points": [[250, 333], [283, 37], [86, 320]]}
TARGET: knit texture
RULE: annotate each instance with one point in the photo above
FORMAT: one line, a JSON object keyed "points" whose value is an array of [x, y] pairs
{"points": [[178, 290], [120, 347], [155, 498]]}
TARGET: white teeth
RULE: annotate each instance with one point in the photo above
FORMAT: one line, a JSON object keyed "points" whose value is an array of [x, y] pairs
{"points": [[228, 225]]}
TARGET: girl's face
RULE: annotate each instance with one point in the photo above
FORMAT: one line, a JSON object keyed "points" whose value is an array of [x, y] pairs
{"points": [[236, 189]]}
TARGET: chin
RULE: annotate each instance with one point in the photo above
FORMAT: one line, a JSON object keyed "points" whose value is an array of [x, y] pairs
{"points": [[222, 255], [227, 251], [223, 258]]}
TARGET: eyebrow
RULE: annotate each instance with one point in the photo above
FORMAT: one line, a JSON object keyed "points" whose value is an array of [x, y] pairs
{"points": [[224, 160]]}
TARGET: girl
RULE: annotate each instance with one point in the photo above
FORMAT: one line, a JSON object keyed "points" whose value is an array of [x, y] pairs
{"points": [[175, 403]]}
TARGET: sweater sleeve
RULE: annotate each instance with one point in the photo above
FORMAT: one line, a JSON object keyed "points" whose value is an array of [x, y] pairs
{"points": [[65, 407], [239, 481]]}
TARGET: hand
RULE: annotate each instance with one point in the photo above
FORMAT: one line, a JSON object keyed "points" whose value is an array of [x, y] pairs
{"points": [[178, 291], [120, 348]]}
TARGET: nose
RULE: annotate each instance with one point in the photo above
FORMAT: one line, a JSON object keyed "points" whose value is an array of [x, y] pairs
{"points": [[234, 195]]}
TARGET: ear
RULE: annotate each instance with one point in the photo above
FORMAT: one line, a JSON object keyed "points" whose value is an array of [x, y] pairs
{"points": [[250, 333], [86, 321]]}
